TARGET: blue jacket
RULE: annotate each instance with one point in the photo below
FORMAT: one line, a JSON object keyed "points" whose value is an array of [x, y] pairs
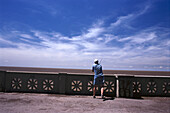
{"points": [[97, 69]]}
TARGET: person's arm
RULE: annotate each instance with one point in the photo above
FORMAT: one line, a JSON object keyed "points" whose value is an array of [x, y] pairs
{"points": [[101, 70], [92, 68]]}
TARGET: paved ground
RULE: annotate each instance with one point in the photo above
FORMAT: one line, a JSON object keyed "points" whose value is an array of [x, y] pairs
{"points": [[52, 103]]}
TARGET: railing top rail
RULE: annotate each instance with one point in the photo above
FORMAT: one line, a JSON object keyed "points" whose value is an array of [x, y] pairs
{"points": [[155, 76], [57, 73], [90, 74], [32, 72]]}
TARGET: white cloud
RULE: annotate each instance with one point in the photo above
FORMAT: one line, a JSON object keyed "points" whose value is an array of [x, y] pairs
{"points": [[3, 41], [121, 20], [155, 48], [93, 32], [167, 43], [60, 46], [124, 39], [109, 37], [139, 38], [52, 50], [26, 36], [126, 20]]}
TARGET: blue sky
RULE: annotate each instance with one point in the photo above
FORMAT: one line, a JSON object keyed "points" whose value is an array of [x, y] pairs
{"points": [[125, 34]]}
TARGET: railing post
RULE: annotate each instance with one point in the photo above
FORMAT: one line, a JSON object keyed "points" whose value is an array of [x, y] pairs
{"points": [[2, 81], [62, 83], [125, 86], [117, 86]]}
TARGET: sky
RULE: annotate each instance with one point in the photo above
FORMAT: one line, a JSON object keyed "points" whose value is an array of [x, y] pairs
{"points": [[122, 34]]}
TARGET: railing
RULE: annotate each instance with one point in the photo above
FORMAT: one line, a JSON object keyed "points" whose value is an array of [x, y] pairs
{"points": [[135, 86], [76, 84]]}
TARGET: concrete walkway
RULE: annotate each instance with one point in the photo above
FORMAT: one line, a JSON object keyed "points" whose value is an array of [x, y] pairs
{"points": [[53, 103]]}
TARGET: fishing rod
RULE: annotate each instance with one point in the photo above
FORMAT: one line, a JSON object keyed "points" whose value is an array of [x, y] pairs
{"points": [[100, 61]]}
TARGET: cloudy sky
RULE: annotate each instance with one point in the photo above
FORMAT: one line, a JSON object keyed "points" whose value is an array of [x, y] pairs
{"points": [[125, 34]]}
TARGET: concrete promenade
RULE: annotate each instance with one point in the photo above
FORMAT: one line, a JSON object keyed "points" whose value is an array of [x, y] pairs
{"points": [[53, 103]]}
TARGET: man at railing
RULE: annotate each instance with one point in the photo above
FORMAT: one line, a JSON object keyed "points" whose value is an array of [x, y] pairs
{"points": [[98, 77]]}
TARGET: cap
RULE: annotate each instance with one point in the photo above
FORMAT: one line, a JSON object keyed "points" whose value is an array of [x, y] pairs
{"points": [[95, 60]]}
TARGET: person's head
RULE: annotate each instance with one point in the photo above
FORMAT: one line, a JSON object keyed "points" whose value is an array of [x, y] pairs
{"points": [[96, 61]]}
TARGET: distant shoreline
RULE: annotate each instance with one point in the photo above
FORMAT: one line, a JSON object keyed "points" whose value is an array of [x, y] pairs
{"points": [[82, 71]]}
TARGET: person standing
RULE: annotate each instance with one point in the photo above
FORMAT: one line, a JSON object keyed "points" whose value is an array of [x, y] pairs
{"points": [[98, 77]]}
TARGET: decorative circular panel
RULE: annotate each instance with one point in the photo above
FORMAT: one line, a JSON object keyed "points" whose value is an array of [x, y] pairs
{"points": [[76, 85], [32, 84], [48, 84], [109, 86], [166, 87], [136, 87], [151, 87], [16, 83], [90, 86]]}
